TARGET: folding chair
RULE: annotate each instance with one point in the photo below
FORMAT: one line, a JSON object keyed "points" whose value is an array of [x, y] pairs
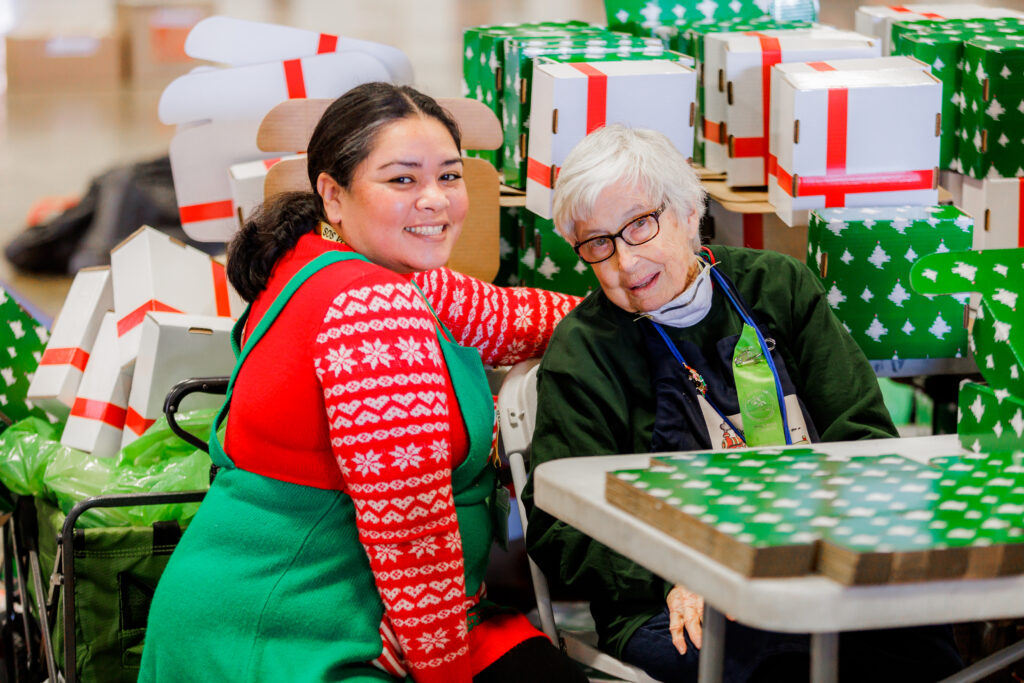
{"points": [[517, 410]]}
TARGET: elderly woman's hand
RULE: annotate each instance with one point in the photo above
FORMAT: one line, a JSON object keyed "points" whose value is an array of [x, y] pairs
{"points": [[685, 613]]}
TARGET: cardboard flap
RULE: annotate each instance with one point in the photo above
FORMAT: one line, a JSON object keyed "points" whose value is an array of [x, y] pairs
{"points": [[238, 42], [287, 175], [249, 92], [289, 125]]}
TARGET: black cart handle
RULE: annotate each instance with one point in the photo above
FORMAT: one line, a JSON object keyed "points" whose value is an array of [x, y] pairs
{"points": [[206, 385]]}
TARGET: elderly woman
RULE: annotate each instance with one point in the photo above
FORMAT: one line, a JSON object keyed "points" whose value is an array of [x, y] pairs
{"points": [[689, 348]]}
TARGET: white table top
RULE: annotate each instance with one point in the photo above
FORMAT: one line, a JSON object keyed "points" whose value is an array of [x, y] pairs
{"points": [[572, 489]]}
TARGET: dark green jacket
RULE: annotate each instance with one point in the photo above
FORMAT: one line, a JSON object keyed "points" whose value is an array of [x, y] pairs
{"points": [[595, 397]]}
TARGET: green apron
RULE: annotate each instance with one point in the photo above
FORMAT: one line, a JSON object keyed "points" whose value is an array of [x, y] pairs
{"points": [[270, 581]]}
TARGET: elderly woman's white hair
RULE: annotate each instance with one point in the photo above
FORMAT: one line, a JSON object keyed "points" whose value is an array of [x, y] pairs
{"points": [[645, 159]]}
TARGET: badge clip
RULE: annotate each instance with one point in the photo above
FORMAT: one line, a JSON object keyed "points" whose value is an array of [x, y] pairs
{"points": [[751, 356]]}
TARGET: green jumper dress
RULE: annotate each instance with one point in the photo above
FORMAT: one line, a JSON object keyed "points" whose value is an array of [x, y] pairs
{"points": [[270, 581]]}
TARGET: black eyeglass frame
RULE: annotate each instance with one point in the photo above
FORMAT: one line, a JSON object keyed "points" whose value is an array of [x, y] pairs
{"points": [[656, 215]]}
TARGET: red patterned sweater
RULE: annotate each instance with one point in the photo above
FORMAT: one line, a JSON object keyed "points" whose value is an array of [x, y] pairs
{"points": [[348, 390]]}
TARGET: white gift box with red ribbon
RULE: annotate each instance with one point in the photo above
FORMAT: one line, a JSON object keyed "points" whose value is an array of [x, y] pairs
{"points": [[173, 347], [779, 70], [200, 158], [571, 100], [856, 138], [56, 380], [98, 412], [748, 63], [228, 40], [877, 20], [997, 206], [246, 182], [756, 230], [715, 128], [249, 92], [154, 272]]}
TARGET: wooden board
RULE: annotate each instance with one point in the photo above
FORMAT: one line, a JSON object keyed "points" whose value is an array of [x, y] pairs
{"points": [[869, 520], [289, 125]]}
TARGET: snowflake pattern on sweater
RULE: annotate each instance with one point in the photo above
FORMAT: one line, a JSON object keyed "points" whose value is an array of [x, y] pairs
{"points": [[387, 394]]}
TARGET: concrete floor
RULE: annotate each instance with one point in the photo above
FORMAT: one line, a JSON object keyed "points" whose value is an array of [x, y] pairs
{"points": [[54, 143]]}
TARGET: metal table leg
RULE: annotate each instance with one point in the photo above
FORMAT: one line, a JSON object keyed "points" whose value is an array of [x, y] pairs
{"points": [[712, 653], [824, 657]]}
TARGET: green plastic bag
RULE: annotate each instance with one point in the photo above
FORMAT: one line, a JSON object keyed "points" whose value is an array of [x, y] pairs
{"points": [[159, 460], [27, 446]]}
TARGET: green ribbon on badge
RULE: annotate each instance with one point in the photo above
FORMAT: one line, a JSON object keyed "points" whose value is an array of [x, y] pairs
{"points": [[756, 392]]}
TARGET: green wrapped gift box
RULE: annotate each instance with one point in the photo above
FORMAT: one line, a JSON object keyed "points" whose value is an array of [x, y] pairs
{"points": [[992, 109], [652, 17], [519, 60], [22, 342], [549, 262], [989, 419], [863, 257], [508, 247], [483, 57]]}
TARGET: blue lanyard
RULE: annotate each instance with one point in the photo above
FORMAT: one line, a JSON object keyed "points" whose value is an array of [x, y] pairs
{"points": [[745, 316]]}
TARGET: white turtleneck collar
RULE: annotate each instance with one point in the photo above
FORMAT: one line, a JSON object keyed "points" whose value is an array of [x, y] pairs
{"points": [[690, 307]]}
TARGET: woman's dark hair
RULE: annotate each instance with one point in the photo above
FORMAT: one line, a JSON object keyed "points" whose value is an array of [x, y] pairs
{"points": [[343, 138]]}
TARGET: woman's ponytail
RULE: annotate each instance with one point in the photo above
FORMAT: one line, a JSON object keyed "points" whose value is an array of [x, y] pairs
{"points": [[270, 232]]}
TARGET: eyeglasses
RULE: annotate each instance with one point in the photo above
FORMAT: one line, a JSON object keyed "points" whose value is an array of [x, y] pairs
{"points": [[636, 232]]}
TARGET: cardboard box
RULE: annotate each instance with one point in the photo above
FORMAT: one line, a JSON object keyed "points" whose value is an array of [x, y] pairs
{"points": [[747, 64], [98, 413], [552, 262], [55, 383], [22, 340], [152, 37], [246, 182], [690, 40], [572, 100], [200, 158], [641, 17], [991, 141], [236, 42], [856, 139], [989, 420], [779, 70], [716, 133], [154, 272], [756, 230], [173, 347], [997, 205], [62, 62], [249, 92], [520, 55], [877, 20], [864, 256]]}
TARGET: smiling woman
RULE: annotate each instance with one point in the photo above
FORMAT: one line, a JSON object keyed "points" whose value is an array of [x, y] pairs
{"points": [[347, 532]]}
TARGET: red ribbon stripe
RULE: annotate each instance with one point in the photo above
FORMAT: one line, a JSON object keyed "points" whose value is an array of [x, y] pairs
{"points": [[293, 79], [209, 211], [267, 163], [597, 96], [539, 172], [133, 319], [220, 290], [326, 43], [135, 422], [771, 54], [107, 413], [713, 132], [73, 356]]}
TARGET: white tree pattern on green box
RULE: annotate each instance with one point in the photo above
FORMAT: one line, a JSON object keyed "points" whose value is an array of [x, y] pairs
{"points": [[997, 333], [552, 262], [864, 256], [22, 342], [989, 419], [992, 108], [644, 17]]}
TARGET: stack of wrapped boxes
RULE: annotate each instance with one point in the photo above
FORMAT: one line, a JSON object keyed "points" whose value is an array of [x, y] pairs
{"points": [[551, 84], [161, 312]]}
